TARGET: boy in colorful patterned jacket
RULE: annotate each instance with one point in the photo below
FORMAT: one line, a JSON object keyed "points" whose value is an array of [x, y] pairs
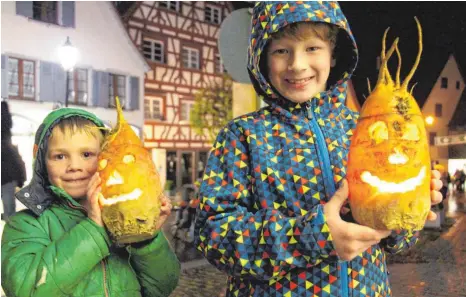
{"points": [[59, 246], [270, 208]]}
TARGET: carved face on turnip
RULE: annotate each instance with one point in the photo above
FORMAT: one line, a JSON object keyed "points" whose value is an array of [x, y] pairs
{"points": [[130, 185], [389, 162]]}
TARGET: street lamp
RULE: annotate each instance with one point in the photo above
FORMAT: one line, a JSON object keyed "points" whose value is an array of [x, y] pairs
{"points": [[68, 56], [429, 120]]}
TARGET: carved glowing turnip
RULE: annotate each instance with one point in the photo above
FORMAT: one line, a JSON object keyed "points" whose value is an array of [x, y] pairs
{"points": [[130, 185], [389, 162]]}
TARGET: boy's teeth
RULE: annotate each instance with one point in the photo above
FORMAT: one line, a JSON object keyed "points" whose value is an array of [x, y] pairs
{"points": [[297, 81]]}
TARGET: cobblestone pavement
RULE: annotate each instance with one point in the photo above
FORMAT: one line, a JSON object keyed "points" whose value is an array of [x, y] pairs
{"points": [[444, 274]]}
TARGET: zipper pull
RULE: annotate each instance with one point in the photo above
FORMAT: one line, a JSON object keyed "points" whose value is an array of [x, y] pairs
{"points": [[309, 112]]}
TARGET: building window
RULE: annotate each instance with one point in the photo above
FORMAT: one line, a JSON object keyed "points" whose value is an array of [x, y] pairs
{"points": [[219, 64], [190, 58], [432, 136], [212, 14], [153, 50], [185, 111], [172, 5], [117, 87], [444, 83], [457, 84], [438, 110], [45, 11], [78, 87], [153, 109], [22, 78]]}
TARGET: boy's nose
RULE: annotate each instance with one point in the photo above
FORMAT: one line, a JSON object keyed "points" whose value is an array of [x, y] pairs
{"points": [[75, 164], [296, 62]]}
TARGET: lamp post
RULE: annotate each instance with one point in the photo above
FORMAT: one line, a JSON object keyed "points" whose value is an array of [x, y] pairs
{"points": [[68, 55]]}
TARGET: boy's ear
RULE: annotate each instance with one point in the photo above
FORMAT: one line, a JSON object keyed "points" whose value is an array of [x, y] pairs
{"points": [[333, 62]]}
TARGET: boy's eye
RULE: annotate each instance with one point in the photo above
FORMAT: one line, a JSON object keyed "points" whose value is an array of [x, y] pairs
{"points": [[312, 48], [280, 51], [88, 154], [59, 157]]}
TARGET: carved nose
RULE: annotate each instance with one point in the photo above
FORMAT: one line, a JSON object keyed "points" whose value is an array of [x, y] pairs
{"points": [[115, 179], [397, 158]]}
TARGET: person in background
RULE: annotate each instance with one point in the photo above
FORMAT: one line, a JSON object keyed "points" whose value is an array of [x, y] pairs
{"points": [[13, 167]]}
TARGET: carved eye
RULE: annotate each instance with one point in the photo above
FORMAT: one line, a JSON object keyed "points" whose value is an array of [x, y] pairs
{"points": [[115, 179], [127, 159], [411, 132], [102, 164], [378, 132]]}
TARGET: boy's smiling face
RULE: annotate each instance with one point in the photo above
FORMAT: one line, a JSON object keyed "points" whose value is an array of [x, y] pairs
{"points": [[299, 68], [71, 160]]}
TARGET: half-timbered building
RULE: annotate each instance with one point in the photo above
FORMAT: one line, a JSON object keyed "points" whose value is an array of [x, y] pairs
{"points": [[179, 41]]}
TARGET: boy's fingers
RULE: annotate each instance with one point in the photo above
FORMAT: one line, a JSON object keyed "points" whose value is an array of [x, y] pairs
{"points": [[340, 195], [436, 174], [435, 197], [436, 184], [432, 216]]}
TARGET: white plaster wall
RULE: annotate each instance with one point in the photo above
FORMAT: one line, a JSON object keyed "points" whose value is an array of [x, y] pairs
{"points": [[100, 39]]}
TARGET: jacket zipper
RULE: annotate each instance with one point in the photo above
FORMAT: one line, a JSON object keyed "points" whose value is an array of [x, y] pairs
{"points": [[104, 268], [329, 184]]}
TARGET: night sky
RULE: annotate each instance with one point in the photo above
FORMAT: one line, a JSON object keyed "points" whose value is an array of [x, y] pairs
{"points": [[444, 30]]}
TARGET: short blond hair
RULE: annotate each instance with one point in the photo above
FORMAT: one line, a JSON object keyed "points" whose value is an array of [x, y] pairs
{"points": [[71, 125], [302, 30]]}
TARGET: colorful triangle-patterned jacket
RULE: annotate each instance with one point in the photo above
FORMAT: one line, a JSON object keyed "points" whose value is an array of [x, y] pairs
{"points": [[270, 172]]}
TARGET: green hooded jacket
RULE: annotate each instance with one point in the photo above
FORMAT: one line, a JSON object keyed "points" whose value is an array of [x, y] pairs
{"points": [[53, 249]]}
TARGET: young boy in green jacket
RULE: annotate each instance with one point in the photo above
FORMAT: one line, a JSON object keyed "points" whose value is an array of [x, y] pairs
{"points": [[59, 246]]}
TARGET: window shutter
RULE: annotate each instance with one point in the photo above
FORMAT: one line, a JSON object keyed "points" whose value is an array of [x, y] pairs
{"points": [[4, 76], [100, 89], [24, 8], [46, 81], [59, 81], [134, 93], [68, 18], [52, 82]]}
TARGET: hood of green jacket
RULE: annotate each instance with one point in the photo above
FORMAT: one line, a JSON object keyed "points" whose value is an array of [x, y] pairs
{"points": [[39, 194], [271, 16]]}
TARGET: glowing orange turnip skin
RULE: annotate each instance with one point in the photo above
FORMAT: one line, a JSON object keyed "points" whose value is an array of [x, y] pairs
{"points": [[389, 163]]}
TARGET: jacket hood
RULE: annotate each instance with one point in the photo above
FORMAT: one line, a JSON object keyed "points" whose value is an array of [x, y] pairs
{"points": [[39, 194], [271, 17]]}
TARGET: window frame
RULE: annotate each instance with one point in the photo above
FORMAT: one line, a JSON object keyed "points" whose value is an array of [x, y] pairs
{"points": [[211, 20], [184, 102], [444, 83], [151, 99], [57, 12], [219, 68], [113, 78], [152, 42], [20, 94], [190, 49], [438, 110], [432, 136], [168, 7], [73, 93]]}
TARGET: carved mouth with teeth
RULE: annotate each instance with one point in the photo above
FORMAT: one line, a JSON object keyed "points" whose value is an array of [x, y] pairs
{"points": [[392, 187], [117, 179]]}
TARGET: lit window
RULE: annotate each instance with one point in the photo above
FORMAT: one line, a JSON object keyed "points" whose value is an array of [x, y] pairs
{"points": [[78, 87]]}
